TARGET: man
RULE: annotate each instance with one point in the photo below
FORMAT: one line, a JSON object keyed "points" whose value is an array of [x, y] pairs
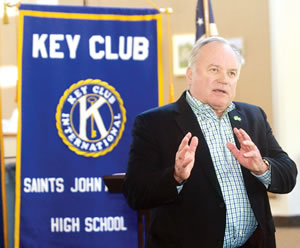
{"points": [[204, 164]]}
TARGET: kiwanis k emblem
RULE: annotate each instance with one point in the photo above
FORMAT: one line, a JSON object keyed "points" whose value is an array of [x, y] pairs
{"points": [[90, 118]]}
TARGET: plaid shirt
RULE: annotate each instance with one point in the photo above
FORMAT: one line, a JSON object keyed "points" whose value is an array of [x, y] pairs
{"points": [[240, 219]]}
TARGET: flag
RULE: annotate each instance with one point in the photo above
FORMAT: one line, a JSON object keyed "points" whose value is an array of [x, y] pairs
{"points": [[200, 21], [84, 75], [3, 210]]}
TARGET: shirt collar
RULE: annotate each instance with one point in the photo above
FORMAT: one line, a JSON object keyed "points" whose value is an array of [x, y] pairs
{"points": [[200, 108]]}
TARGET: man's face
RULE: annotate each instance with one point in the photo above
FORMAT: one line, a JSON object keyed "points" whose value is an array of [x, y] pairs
{"points": [[213, 77]]}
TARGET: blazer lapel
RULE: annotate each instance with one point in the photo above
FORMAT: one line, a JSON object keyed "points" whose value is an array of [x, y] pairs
{"points": [[188, 122]]}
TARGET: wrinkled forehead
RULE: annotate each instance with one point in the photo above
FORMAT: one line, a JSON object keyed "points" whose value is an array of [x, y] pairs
{"points": [[218, 53]]}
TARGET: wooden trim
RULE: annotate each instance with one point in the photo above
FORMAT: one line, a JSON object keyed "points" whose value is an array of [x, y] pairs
{"points": [[9, 134], [287, 221]]}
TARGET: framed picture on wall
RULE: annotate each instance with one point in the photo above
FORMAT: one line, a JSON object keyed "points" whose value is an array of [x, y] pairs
{"points": [[182, 46]]}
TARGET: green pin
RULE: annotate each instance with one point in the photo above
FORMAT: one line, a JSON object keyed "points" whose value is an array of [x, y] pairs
{"points": [[237, 118]]}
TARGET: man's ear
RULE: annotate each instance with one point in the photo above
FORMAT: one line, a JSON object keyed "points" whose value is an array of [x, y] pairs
{"points": [[188, 75]]}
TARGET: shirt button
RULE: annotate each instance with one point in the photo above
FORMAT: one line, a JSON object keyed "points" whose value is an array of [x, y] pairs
{"points": [[241, 233]]}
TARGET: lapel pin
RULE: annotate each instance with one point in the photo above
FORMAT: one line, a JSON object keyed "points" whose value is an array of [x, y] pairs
{"points": [[237, 118]]}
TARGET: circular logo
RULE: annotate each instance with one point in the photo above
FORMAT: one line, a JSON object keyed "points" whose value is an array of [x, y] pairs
{"points": [[90, 118]]}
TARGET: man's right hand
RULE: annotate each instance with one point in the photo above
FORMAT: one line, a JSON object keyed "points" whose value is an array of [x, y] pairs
{"points": [[185, 158]]}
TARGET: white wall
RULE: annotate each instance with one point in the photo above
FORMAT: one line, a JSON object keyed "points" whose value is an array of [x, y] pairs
{"points": [[285, 43]]}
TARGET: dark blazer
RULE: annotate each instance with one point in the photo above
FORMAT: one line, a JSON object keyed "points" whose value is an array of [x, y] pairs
{"points": [[196, 216]]}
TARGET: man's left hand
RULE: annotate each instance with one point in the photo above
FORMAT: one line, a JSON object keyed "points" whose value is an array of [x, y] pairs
{"points": [[248, 155]]}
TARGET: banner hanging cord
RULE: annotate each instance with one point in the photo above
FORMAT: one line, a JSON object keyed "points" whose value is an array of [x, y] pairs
{"points": [[8, 5], [153, 5], [5, 16]]}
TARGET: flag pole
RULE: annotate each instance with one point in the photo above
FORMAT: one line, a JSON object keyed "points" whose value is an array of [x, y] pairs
{"points": [[6, 21], [206, 18], [4, 242]]}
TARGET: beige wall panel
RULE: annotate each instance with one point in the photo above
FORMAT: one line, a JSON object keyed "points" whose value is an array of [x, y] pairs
{"points": [[8, 97], [250, 21]]}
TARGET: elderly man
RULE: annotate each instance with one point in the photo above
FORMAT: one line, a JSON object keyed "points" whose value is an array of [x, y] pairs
{"points": [[204, 164]]}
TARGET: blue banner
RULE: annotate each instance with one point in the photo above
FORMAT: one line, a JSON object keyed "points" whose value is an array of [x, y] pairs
{"points": [[85, 73]]}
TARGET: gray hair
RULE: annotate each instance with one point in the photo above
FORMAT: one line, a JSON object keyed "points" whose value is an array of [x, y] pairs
{"points": [[195, 53]]}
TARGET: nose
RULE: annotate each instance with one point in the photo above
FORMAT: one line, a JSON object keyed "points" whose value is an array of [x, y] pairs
{"points": [[223, 78]]}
